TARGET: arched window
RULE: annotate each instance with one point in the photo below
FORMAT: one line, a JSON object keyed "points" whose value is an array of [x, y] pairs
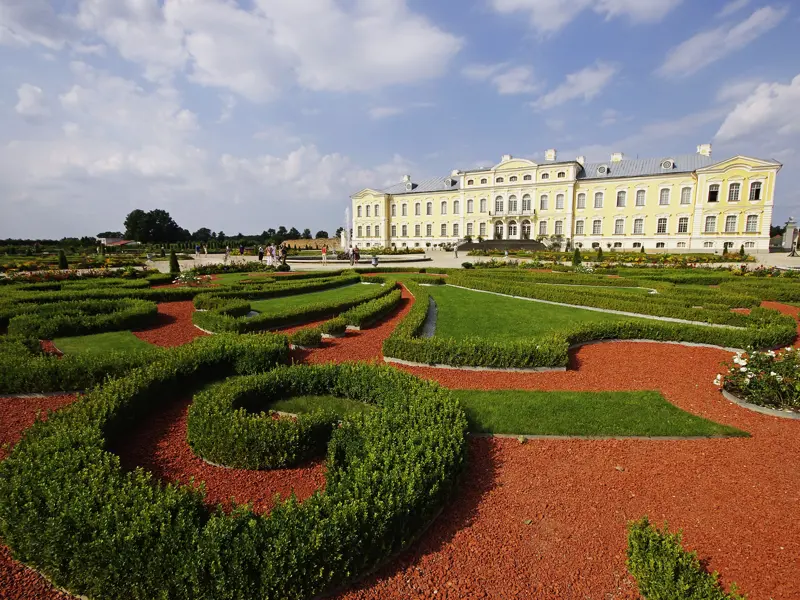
{"points": [[640, 196], [483, 180], [683, 225], [417, 230], [470, 181], [578, 227], [358, 211], [404, 230], [581, 200], [559, 201], [457, 207], [526, 178], [526, 202], [499, 180], [470, 206], [598, 200], [619, 226], [512, 204], [512, 229], [661, 225], [358, 230], [686, 195], [730, 224], [377, 231], [367, 209], [444, 230], [469, 228], [752, 224], [755, 190], [559, 230], [526, 230], [663, 197], [455, 229], [394, 210], [498, 204], [429, 208], [542, 227], [597, 227], [404, 210], [621, 199], [512, 178], [543, 202], [376, 212], [369, 231], [545, 176], [483, 205], [429, 230], [417, 209], [394, 230], [561, 174], [482, 229], [443, 208], [638, 226], [498, 230], [711, 224], [713, 192]]}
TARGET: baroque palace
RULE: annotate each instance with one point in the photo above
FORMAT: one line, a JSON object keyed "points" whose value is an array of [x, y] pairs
{"points": [[674, 203]]}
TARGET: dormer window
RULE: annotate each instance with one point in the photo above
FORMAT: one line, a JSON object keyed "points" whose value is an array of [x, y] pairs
{"points": [[470, 181], [483, 181], [602, 170], [512, 178], [667, 164], [545, 175], [526, 178], [499, 180], [409, 186], [561, 174]]}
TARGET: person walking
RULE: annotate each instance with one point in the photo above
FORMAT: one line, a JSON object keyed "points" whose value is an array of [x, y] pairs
{"points": [[357, 254], [260, 254], [352, 256], [197, 249], [324, 254], [227, 254], [455, 251], [205, 249], [241, 249]]}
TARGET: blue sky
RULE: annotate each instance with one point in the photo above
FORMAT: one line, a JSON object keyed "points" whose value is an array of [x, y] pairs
{"points": [[250, 114]]}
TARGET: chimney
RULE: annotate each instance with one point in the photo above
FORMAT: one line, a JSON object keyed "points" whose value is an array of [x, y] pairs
{"points": [[704, 149], [581, 160], [506, 158], [550, 154], [406, 178], [617, 157]]}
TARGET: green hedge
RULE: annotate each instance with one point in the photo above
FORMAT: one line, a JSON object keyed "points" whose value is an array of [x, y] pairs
{"points": [[46, 321], [336, 326], [210, 299], [368, 312], [308, 337], [69, 509], [665, 571]]}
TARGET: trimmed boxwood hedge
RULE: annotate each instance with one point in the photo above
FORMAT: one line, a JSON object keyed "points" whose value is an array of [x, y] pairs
{"points": [[68, 509], [366, 313]]}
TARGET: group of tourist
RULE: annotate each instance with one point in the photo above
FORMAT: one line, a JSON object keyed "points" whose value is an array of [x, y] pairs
{"points": [[354, 254], [274, 254], [197, 249]]}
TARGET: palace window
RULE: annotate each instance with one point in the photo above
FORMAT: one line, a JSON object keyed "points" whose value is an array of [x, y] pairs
{"points": [[417, 230], [686, 195], [597, 226], [663, 197], [638, 226], [377, 231], [418, 209], [581, 200], [640, 196], [394, 230], [619, 226], [561, 174], [429, 208], [512, 229], [429, 230], [404, 230], [470, 206], [455, 229], [683, 225], [483, 205], [755, 190], [733, 192], [749, 244], [482, 229], [369, 231], [542, 227], [730, 224], [526, 230], [713, 192], [470, 181], [394, 210], [598, 200], [483, 181], [358, 211], [660, 245], [469, 228], [498, 204], [661, 225], [512, 178], [367, 209], [752, 224], [711, 224], [526, 202], [621, 198], [578, 227], [444, 230], [545, 175], [559, 229], [637, 244], [443, 208], [526, 178], [457, 207], [512, 204], [708, 244], [617, 244], [543, 202], [499, 180], [681, 244], [559, 201], [404, 210]]}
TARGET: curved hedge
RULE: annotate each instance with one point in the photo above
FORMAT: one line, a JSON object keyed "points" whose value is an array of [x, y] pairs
{"points": [[68, 508]]}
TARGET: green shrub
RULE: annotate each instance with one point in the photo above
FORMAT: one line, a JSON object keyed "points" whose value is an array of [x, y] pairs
{"points": [[308, 337], [576, 257], [62, 260], [174, 267], [467, 265], [766, 378], [374, 310], [336, 326], [283, 268], [665, 571]]}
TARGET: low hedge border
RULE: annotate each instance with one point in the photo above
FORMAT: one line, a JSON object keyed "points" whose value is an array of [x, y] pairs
{"points": [[665, 571], [369, 312], [68, 509], [211, 298]]}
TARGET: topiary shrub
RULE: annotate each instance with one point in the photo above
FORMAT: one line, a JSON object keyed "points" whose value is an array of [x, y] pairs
{"points": [[334, 327], [308, 337], [641, 249], [599, 254], [174, 267], [283, 268], [62, 260], [576, 257], [467, 265]]}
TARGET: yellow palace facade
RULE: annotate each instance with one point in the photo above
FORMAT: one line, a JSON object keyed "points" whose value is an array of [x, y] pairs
{"points": [[680, 203]]}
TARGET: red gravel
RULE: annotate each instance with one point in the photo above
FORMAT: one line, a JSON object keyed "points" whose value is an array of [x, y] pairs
{"points": [[174, 326], [48, 347], [160, 446]]}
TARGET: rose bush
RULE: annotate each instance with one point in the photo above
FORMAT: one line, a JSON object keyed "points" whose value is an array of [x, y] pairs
{"points": [[765, 378]]}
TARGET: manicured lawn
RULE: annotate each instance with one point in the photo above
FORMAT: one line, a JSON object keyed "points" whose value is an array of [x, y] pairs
{"points": [[304, 404], [466, 313], [349, 292], [100, 343], [643, 413]]}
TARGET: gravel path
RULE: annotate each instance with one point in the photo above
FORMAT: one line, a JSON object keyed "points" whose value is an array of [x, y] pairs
{"points": [[174, 326], [547, 518]]}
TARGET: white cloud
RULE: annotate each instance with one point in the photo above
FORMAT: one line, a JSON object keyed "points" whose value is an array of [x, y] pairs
{"points": [[609, 117], [549, 16], [506, 79], [770, 111], [31, 104], [731, 8], [382, 112], [228, 104], [712, 45], [737, 90], [586, 83], [26, 22]]}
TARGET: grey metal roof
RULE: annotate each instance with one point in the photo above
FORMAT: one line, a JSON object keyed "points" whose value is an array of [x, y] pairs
{"points": [[435, 184], [684, 163]]}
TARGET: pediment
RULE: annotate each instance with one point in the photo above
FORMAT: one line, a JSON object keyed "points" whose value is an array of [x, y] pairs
{"points": [[515, 163], [745, 163]]}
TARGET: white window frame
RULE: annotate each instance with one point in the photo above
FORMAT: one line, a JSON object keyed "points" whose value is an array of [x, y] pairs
{"points": [[559, 201], [679, 224], [658, 225], [544, 201], [705, 224], [580, 202], [619, 226], [601, 197], [738, 185], [688, 189], [579, 225], [622, 198], [597, 224], [735, 223], [643, 194], [662, 196], [747, 224], [639, 220]]}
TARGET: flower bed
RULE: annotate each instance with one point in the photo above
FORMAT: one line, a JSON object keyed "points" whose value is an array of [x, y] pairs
{"points": [[767, 379]]}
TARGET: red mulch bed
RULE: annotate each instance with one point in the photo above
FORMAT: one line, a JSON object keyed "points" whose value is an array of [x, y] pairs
{"points": [[174, 326], [48, 347], [734, 498]]}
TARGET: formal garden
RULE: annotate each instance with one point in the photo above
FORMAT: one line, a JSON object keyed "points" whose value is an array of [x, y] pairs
{"points": [[511, 430]]}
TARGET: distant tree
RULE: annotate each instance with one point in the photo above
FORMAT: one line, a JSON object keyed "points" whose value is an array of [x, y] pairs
{"points": [[154, 226], [294, 234], [338, 232], [136, 225], [776, 230], [62, 259], [202, 235], [110, 234], [271, 233], [221, 236], [306, 234], [599, 254], [576, 257], [174, 267], [321, 234]]}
